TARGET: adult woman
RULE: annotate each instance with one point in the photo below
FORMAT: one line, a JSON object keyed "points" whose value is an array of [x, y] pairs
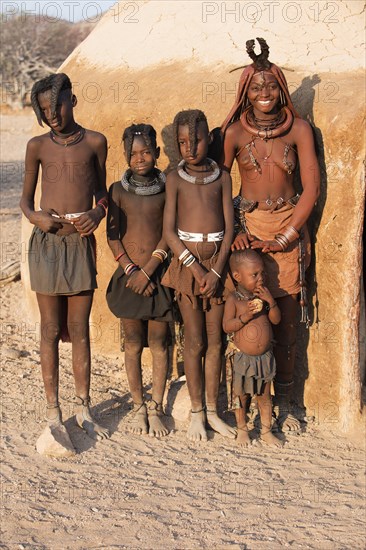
{"points": [[266, 136]]}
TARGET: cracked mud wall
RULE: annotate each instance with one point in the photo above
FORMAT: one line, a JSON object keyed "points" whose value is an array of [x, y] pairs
{"points": [[147, 60]]}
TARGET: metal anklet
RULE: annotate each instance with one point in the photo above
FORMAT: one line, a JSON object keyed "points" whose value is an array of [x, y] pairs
{"points": [[84, 402], [154, 407], [201, 410], [49, 407]]}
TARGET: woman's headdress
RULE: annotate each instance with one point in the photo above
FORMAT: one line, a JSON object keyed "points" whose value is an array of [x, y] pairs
{"points": [[260, 63]]}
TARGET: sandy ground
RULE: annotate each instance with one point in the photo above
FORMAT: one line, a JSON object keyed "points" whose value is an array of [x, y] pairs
{"points": [[143, 493]]}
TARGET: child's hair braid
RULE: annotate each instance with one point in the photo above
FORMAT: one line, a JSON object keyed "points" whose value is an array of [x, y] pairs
{"points": [[146, 131], [56, 83], [192, 118]]}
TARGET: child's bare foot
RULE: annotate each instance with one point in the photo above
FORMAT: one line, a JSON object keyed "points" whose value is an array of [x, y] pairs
{"points": [[137, 419], [53, 415], [243, 438], [86, 422], [219, 425], [155, 414], [196, 430], [270, 439]]}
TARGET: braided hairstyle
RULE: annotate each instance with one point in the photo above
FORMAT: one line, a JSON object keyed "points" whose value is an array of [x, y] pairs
{"points": [[261, 61], [146, 131], [191, 118], [54, 82]]}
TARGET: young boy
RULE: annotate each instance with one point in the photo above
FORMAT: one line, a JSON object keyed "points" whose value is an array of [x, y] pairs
{"points": [[247, 316], [135, 293], [198, 227], [62, 245]]}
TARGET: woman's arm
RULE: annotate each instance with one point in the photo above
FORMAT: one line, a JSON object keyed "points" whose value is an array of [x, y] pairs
{"points": [[309, 173]]}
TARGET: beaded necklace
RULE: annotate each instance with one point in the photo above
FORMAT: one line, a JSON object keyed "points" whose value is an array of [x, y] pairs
{"points": [[75, 136], [197, 179], [153, 187], [243, 294]]}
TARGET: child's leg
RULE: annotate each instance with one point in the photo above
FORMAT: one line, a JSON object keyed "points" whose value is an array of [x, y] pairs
{"points": [[50, 308], [158, 332], [284, 351], [242, 438], [134, 344], [213, 364], [78, 312], [265, 410], [193, 351]]}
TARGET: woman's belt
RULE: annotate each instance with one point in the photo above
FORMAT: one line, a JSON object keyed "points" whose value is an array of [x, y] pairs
{"points": [[247, 205]]}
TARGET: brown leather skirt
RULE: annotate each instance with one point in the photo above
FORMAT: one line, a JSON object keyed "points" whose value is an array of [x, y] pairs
{"points": [[181, 279]]}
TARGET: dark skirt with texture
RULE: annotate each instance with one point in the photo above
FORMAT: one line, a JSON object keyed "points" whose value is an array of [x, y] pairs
{"points": [[61, 265], [252, 372], [126, 304]]}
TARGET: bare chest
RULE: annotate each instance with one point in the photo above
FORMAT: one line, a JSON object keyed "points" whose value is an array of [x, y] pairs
{"points": [[73, 165], [143, 213], [263, 157]]}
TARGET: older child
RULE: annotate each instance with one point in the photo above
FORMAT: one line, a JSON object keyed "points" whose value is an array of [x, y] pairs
{"points": [[62, 246], [198, 226], [247, 316], [135, 294]]}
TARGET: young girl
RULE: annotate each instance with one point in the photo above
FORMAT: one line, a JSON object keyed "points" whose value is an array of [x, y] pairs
{"points": [[254, 363], [135, 294], [198, 227]]}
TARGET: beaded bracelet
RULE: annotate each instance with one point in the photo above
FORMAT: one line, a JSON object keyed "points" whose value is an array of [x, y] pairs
{"points": [[187, 262], [119, 256], [184, 253], [130, 268], [160, 254], [272, 306]]}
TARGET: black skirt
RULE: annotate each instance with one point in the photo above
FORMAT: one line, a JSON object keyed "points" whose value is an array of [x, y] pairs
{"points": [[126, 304]]}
